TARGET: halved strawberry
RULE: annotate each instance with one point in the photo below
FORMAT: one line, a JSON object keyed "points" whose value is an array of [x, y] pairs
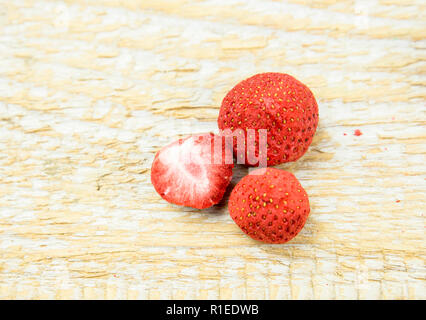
{"points": [[192, 172]]}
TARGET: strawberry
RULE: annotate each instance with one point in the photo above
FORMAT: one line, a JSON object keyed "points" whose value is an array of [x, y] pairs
{"points": [[277, 102], [186, 172], [270, 206]]}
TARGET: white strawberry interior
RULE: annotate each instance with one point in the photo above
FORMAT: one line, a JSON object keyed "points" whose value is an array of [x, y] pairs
{"points": [[187, 167]]}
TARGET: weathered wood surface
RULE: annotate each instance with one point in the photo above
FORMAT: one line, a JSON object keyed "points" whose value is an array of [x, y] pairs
{"points": [[90, 90]]}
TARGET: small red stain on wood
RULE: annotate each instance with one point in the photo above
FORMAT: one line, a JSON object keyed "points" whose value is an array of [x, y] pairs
{"points": [[358, 132], [398, 201]]}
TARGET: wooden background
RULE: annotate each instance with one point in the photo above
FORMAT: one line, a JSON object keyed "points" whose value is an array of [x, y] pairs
{"points": [[90, 90]]}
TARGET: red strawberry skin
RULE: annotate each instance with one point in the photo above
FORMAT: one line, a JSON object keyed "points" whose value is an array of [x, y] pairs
{"points": [[185, 172], [271, 207], [276, 102]]}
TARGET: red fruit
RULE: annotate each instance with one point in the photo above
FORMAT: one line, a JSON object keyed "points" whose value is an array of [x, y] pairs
{"points": [[277, 102], [270, 206], [185, 172]]}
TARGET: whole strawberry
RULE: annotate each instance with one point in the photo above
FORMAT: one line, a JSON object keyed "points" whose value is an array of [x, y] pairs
{"points": [[277, 102], [269, 205], [191, 172]]}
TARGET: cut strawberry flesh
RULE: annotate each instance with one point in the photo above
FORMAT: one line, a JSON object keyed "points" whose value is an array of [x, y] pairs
{"points": [[183, 172]]}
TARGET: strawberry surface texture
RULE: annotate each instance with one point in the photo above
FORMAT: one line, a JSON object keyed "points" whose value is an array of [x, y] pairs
{"points": [[191, 172], [269, 205], [278, 103]]}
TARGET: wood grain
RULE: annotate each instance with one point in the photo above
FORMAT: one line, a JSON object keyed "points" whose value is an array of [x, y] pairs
{"points": [[90, 90]]}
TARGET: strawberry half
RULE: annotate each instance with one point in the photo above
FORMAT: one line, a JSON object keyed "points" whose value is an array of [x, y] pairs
{"points": [[192, 172]]}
